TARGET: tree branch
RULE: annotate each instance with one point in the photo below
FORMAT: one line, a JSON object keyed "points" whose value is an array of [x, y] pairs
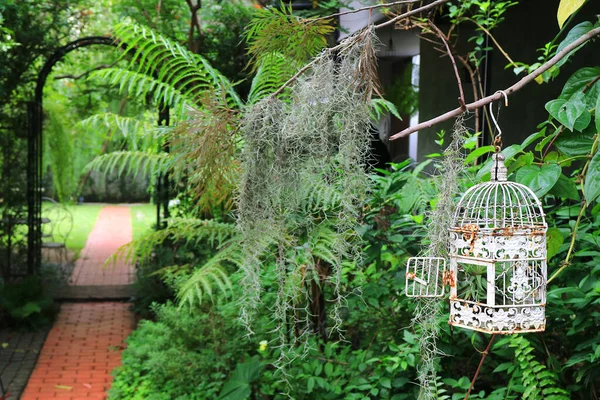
{"points": [[194, 23], [411, 13], [498, 95], [465, 64], [145, 14], [485, 353], [391, 21], [86, 73], [504, 53], [440, 34], [367, 8]]}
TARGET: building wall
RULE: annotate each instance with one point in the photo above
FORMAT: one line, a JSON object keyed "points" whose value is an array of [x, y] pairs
{"points": [[528, 26]]}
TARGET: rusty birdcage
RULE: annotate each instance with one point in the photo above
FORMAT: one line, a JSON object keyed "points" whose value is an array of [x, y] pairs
{"points": [[497, 252], [498, 257]]}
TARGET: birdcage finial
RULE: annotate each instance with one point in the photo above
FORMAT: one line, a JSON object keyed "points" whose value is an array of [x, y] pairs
{"points": [[499, 170]]}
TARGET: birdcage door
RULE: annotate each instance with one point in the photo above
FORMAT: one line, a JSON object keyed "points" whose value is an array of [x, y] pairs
{"points": [[425, 277]]}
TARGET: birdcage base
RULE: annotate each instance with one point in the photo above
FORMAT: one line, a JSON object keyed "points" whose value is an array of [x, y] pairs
{"points": [[498, 319]]}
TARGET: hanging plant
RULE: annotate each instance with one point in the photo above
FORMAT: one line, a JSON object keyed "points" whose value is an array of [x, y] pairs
{"points": [[303, 177]]}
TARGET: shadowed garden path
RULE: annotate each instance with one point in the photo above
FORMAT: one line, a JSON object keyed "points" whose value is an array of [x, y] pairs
{"points": [[86, 341]]}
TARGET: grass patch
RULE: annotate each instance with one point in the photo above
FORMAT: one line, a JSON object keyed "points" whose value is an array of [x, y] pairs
{"points": [[143, 218], [84, 219]]}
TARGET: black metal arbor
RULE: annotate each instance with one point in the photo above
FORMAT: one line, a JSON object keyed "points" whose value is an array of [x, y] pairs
{"points": [[35, 150]]}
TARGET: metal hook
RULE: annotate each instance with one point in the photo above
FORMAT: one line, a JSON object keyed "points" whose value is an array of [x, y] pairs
{"points": [[498, 137], [495, 122]]}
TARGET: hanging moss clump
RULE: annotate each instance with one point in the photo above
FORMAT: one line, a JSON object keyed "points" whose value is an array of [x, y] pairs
{"points": [[303, 180]]}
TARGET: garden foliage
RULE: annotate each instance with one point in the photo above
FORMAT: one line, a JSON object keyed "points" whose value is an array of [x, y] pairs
{"points": [[294, 226]]}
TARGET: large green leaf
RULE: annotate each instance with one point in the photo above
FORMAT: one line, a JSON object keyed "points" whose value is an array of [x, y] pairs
{"points": [[572, 113], [591, 188], [565, 188], [238, 386], [478, 152], [578, 82], [574, 34], [597, 114], [573, 145], [540, 179], [554, 239], [509, 154]]}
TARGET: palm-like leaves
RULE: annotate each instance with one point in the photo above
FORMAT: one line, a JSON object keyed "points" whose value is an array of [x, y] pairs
{"points": [[154, 55], [273, 71], [130, 163], [205, 144]]}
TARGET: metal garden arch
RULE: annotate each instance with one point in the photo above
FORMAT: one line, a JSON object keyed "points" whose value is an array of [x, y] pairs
{"points": [[34, 150]]}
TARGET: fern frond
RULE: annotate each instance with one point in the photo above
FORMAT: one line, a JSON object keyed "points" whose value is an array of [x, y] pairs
{"points": [[323, 242], [273, 71], [135, 130], [321, 196], [204, 149], [538, 381], [188, 230], [142, 85], [130, 163], [171, 63], [274, 30], [379, 106], [201, 282]]}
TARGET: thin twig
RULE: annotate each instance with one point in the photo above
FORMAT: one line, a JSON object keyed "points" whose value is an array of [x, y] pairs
{"points": [[567, 260], [367, 8], [504, 53], [583, 206], [440, 34], [97, 68], [465, 64], [411, 13], [484, 355], [293, 78], [560, 130], [499, 95]]}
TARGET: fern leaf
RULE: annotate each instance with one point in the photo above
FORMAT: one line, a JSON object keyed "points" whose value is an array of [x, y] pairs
{"points": [[539, 382], [172, 64], [275, 30], [273, 71], [130, 163]]}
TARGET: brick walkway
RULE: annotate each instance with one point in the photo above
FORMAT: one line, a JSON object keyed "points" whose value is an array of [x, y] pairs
{"points": [[85, 343], [112, 230], [80, 352]]}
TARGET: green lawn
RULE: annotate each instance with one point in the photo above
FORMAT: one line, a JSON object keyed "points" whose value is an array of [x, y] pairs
{"points": [[143, 218], [84, 218]]}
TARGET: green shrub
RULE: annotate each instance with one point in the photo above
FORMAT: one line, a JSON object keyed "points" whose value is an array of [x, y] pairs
{"points": [[24, 304], [180, 356]]}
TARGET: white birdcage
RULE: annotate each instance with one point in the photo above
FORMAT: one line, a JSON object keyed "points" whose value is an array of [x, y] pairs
{"points": [[497, 252], [498, 257]]}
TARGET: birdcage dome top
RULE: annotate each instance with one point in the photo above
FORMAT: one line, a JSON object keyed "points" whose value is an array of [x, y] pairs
{"points": [[499, 204]]}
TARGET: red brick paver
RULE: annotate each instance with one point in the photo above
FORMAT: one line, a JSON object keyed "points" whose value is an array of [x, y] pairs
{"points": [[80, 352], [111, 231]]}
